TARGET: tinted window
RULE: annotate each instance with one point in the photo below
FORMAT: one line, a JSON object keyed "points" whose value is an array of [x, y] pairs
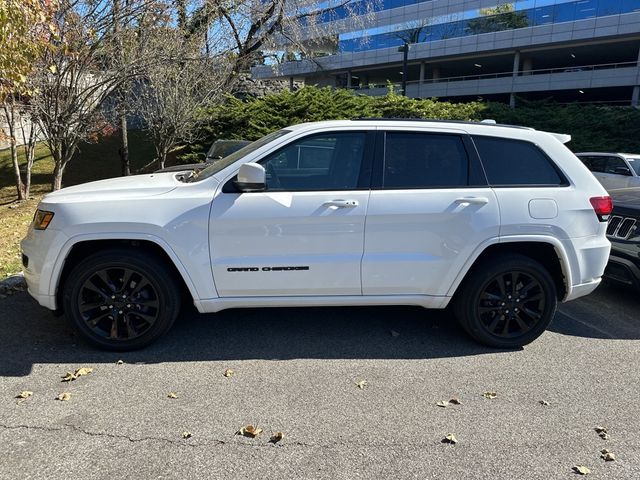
{"points": [[515, 162], [594, 163], [329, 161], [617, 166], [423, 160]]}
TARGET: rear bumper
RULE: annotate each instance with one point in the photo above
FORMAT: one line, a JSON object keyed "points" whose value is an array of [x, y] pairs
{"points": [[590, 256]]}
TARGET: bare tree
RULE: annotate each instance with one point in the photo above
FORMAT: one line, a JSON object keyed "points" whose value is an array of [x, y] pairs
{"points": [[78, 73], [257, 29], [173, 93]]}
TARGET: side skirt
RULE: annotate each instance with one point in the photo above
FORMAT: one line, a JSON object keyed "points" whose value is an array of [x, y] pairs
{"points": [[218, 304]]}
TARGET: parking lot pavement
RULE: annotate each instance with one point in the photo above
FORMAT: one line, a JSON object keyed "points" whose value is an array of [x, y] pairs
{"points": [[296, 372]]}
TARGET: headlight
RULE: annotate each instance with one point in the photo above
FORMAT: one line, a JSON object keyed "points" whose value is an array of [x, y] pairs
{"points": [[42, 219]]}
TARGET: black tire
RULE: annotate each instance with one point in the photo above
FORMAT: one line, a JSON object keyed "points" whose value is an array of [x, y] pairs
{"points": [[507, 301], [121, 300]]}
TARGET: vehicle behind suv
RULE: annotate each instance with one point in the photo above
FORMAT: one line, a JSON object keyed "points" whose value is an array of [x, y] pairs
{"points": [[623, 231], [613, 170], [499, 222]]}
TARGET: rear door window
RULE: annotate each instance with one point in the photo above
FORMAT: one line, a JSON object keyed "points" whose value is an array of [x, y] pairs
{"points": [[509, 162], [424, 160]]}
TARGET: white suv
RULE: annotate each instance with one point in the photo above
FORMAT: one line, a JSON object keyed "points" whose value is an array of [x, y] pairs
{"points": [[500, 222]]}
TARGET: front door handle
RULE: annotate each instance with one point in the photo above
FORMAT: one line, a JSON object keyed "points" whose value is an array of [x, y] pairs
{"points": [[341, 203], [472, 200]]}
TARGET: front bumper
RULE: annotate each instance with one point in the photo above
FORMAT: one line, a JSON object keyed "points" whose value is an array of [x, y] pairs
{"points": [[623, 270], [42, 247]]}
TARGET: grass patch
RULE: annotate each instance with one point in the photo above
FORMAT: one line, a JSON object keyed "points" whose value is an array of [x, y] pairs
{"points": [[92, 162]]}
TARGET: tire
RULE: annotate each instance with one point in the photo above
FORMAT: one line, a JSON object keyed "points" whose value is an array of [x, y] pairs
{"points": [[501, 310], [121, 299]]}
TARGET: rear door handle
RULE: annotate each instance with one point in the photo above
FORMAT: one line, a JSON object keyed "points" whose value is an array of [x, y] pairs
{"points": [[472, 200], [341, 203]]}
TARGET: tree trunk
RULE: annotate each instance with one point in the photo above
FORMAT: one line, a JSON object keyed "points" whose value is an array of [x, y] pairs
{"points": [[16, 169], [10, 115], [57, 176], [29, 152], [124, 146]]}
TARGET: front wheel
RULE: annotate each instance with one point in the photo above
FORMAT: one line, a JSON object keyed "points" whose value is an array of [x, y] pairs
{"points": [[507, 301], [121, 300]]}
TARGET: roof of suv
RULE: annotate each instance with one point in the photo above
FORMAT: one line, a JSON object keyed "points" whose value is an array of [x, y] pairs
{"points": [[507, 131], [596, 154]]}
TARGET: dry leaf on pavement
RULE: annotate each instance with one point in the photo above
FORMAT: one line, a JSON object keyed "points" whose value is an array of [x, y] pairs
{"points": [[361, 384], [490, 395], [581, 469], [63, 397], [187, 434], [450, 438], [70, 376], [455, 401], [442, 403], [276, 437], [544, 402], [250, 431], [172, 395], [228, 373], [119, 362], [24, 394], [608, 456], [600, 429]]}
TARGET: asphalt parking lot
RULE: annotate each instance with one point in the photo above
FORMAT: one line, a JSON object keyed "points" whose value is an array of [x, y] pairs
{"points": [[295, 371]]}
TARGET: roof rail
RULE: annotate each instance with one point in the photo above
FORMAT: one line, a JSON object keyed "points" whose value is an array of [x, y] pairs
{"points": [[489, 123]]}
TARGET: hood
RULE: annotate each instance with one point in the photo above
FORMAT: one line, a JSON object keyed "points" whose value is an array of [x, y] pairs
{"points": [[626, 197], [134, 186]]}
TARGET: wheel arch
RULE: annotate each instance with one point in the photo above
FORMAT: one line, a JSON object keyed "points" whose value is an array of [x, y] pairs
{"points": [[548, 251], [78, 248]]}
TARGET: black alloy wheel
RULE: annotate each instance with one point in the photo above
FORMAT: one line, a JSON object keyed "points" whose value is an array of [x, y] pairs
{"points": [[121, 299], [118, 303], [506, 301], [511, 304]]}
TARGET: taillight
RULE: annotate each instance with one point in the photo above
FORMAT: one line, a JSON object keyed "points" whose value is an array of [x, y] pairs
{"points": [[602, 206]]}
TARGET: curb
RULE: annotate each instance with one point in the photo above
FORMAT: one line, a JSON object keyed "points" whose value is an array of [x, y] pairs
{"points": [[13, 283]]}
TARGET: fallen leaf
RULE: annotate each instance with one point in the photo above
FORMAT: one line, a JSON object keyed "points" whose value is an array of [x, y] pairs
{"points": [[172, 395], [119, 362], [608, 456], [604, 435], [361, 384], [70, 376], [581, 469], [544, 402], [443, 403], [601, 429], [490, 395], [276, 437], [187, 434], [455, 401], [450, 438], [63, 397], [250, 431], [24, 394], [394, 333], [228, 373], [605, 451]]}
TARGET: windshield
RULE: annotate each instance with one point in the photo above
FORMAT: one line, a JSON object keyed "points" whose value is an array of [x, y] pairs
{"points": [[218, 165], [635, 164]]}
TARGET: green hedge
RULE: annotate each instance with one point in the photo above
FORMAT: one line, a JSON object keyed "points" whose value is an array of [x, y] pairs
{"points": [[601, 128]]}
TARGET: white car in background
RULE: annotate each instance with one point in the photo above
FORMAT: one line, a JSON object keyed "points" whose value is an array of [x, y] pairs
{"points": [[613, 170], [500, 222]]}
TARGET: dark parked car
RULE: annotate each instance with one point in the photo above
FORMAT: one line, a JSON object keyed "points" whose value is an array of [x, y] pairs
{"points": [[219, 149], [624, 233]]}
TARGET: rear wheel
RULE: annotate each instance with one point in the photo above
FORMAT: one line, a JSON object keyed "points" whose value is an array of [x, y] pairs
{"points": [[121, 300], [507, 301]]}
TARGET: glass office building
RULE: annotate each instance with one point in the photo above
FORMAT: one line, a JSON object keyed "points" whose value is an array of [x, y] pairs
{"points": [[579, 50]]}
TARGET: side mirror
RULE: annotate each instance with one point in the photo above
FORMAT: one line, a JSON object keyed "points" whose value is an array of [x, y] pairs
{"points": [[251, 178]]}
